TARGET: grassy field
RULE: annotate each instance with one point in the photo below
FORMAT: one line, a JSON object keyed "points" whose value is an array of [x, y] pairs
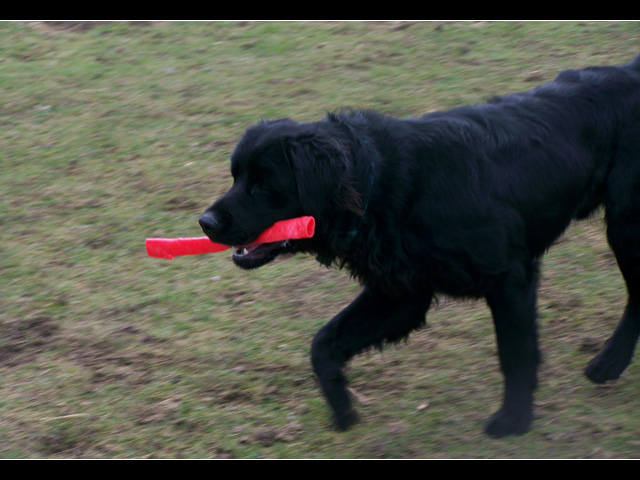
{"points": [[110, 133]]}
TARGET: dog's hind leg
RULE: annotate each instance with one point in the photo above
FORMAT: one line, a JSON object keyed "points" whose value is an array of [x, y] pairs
{"points": [[370, 321], [623, 232], [513, 305]]}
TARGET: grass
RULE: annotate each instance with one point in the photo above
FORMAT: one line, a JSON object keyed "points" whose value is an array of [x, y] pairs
{"points": [[114, 132]]}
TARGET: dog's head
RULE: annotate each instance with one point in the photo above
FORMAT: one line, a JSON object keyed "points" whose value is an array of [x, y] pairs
{"points": [[281, 170]]}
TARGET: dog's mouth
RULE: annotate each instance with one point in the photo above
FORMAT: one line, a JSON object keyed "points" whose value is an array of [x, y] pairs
{"points": [[254, 256]]}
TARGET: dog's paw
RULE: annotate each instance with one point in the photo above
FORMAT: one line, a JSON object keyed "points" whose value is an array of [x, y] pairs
{"points": [[501, 425], [601, 369], [608, 364], [345, 420]]}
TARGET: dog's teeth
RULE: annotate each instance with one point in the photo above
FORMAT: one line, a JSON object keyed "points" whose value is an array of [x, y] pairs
{"points": [[244, 251]]}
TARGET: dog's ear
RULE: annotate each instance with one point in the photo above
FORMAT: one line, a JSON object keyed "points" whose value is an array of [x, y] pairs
{"points": [[319, 164]]}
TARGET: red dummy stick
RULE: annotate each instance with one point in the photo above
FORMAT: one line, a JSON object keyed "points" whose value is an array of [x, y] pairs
{"points": [[293, 229]]}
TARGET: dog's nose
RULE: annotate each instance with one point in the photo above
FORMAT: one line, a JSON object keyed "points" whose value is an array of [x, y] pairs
{"points": [[210, 223]]}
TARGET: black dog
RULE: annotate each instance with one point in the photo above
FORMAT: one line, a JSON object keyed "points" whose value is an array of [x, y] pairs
{"points": [[462, 202]]}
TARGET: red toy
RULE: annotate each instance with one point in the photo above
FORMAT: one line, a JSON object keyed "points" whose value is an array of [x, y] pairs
{"points": [[296, 228]]}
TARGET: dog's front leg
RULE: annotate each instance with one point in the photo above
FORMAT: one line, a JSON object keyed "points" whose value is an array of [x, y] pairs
{"points": [[513, 305], [373, 319]]}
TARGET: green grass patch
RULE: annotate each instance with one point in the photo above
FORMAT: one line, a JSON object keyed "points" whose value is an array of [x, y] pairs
{"points": [[114, 132]]}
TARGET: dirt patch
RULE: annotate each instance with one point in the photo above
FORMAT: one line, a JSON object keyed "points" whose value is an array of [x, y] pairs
{"points": [[22, 340], [181, 203], [126, 356]]}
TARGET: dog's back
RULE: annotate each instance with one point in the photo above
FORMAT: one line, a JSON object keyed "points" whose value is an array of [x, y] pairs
{"points": [[548, 152]]}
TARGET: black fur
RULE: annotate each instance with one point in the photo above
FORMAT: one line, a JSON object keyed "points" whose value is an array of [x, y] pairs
{"points": [[462, 202]]}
